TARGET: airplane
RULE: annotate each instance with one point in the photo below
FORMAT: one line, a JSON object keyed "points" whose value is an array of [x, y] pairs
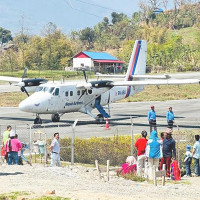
{"points": [[26, 85], [60, 98]]}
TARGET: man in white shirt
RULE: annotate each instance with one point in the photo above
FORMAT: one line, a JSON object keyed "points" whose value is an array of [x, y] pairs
{"points": [[55, 151]]}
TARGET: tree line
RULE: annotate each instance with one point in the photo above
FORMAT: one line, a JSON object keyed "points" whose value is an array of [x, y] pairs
{"points": [[169, 47]]}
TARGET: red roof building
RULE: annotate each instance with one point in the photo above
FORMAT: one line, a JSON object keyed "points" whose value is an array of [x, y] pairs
{"points": [[97, 61]]}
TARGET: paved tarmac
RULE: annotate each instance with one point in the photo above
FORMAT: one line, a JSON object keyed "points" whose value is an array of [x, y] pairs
{"points": [[186, 112]]}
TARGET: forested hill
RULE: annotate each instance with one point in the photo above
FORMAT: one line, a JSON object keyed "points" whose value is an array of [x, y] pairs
{"points": [[173, 41]]}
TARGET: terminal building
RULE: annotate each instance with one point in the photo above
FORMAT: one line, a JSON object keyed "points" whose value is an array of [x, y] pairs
{"points": [[97, 61]]}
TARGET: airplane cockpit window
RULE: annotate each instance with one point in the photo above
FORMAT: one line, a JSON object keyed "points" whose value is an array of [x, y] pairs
{"points": [[89, 91], [38, 89], [78, 92], [83, 91], [51, 89], [46, 89], [66, 93], [71, 93], [56, 93]]}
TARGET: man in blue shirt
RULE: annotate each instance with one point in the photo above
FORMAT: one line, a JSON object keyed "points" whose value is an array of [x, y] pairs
{"points": [[152, 119], [170, 118]]}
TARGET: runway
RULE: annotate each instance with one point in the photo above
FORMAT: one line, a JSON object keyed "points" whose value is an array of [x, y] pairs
{"points": [[187, 116]]}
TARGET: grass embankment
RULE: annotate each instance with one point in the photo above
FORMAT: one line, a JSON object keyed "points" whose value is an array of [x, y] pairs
{"points": [[151, 93], [49, 74]]}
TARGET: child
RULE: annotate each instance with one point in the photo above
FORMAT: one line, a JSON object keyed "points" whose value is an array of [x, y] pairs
{"points": [[188, 160], [21, 154]]}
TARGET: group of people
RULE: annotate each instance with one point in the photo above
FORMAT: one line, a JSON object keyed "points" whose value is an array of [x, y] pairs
{"points": [[155, 151], [158, 151], [152, 118], [13, 148]]}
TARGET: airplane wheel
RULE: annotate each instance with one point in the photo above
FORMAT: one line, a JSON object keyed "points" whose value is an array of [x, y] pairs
{"points": [[38, 120], [100, 118], [55, 118]]}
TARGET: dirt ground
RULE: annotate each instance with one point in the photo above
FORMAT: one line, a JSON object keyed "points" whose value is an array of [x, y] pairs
{"points": [[83, 183]]}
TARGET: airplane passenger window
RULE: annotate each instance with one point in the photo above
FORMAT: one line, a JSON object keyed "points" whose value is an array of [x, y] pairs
{"points": [[56, 93], [78, 92], [71, 93], [66, 93]]}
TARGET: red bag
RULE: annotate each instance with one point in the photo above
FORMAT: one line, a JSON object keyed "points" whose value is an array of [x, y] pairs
{"points": [[175, 171], [3, 151]]}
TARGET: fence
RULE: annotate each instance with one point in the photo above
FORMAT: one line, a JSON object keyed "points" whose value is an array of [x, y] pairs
{"points": [[112, 146]]}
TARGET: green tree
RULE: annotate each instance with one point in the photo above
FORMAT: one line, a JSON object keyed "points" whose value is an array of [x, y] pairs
{"points": [[5, 36]]}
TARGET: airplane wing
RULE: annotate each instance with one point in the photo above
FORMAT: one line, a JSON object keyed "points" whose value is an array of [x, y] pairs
{"points": [[156, 82], [10, 79], [165, 76]]}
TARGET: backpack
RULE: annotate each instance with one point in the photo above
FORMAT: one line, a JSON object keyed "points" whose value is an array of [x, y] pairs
{"points": [[175, 171]]}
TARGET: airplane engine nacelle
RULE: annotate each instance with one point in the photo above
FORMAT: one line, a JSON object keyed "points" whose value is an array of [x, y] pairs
{"points": [[97, 91]]}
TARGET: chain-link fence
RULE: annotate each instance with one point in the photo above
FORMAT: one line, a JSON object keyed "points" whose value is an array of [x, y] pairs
{"points": [[79, 147]]}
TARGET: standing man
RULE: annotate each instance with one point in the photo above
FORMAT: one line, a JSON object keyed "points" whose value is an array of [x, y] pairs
{"points": [[140, 146], [170, 118], [152, 119], [55, 151], [6, 134], [196, 155], [169, 151]]}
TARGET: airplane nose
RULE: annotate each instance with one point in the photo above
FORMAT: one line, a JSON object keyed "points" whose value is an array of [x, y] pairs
{"points": [[24, 106]]}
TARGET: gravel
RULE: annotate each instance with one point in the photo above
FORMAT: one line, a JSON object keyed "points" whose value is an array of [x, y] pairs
{"points": [[83, 183]]}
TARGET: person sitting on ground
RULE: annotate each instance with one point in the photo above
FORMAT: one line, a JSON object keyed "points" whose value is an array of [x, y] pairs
{"points": [[129, 166], [153, 153], [188, 160], [141, 158], [13, 146], [196, 154]]}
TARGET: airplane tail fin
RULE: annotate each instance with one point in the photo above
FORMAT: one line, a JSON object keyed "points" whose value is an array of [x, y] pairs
{"points": [[137, 63]]}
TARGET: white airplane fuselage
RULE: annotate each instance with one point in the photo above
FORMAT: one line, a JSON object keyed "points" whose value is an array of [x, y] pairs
{"points": [[64, 98]]}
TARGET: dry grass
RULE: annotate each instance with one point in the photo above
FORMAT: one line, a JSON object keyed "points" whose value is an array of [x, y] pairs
{"points": [[152, 93], [11, 99]]}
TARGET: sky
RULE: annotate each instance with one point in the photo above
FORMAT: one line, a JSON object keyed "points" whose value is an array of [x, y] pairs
{"points": [[68, 15]]}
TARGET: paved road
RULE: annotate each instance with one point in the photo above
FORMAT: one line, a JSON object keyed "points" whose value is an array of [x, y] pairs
{"points": [[186, 112]]}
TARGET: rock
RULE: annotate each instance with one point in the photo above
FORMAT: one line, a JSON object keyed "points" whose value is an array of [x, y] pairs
{"points": [[50, 192]]}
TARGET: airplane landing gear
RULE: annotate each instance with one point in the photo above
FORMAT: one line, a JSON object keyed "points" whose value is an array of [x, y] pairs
{"points": [[38, 120], [100, 118], [55, 117]]}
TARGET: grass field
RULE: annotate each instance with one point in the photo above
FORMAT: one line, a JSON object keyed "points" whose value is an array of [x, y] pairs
{"points": [[151, 93]]}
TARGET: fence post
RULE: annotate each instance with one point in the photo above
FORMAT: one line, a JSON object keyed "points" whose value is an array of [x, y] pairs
{"points": [[73, 138], [131, 136], [178, 142], [108, 164]]}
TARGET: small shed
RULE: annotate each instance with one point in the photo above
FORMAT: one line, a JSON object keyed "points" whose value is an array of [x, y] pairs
{"points": [[97, 61]]}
